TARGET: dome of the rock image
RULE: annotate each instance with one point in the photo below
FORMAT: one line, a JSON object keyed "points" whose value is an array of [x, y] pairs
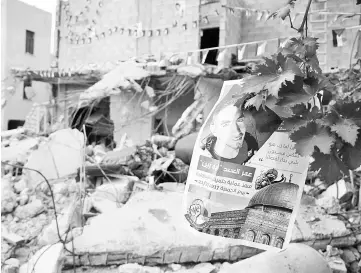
{"points": [[281, 195]]}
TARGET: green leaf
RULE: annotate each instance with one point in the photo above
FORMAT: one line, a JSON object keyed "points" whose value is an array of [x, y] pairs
{"points": [[268, 67], [331, 167], [347, 130], [314, 65], [293, 94], [351, 155], [311, 46], [349, 110], [281, 111], [291, 65], [301, 117], [313, 134], [255, 101], [278, 81]]}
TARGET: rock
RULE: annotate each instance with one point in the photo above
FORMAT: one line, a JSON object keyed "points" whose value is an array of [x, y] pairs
{"points": [[60, 156], [29, 210], [69, 218], [354, 267], [18, 152], [20, 185], [329, 203], [8, 197], [136, 268], [348, 256], [112, 195], [359, 248], [46, 260], [204, 268], [341, 190], [337, 265], [175, 267], [14, 262], [60, 188], [23, 199], [174, 187], [9, 217], [356, 253], [294, 258]]}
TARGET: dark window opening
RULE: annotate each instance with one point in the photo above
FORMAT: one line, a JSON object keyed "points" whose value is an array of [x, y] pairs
{"points": [[334, 38], [14, 124], [27, 83], [216, 232], [210, 38], [29, 43]]}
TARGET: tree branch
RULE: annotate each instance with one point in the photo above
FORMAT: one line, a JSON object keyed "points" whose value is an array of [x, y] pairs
{"points": [[305, 16], [289, 16]]}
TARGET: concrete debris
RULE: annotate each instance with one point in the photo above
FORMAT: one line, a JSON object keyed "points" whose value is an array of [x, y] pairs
{"points": [[330, 204], [20, 185], [29, 210], [204, 268], [69, 218], [299, 257], [349, 256], [354, 267], [8, 197], [11, 238], [46, 260], [340, 190], [336, 264], [136, 268], [112, 195], [175, 267], [59, 157], [19, 150]]}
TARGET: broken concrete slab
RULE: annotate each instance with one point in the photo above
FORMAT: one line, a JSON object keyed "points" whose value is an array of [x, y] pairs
{"points": [[295, 258], [329, 203], [150, 229], [60, 156], [46, 260]]}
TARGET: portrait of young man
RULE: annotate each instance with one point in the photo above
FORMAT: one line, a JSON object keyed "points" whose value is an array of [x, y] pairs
{"points": [[229, 140]]}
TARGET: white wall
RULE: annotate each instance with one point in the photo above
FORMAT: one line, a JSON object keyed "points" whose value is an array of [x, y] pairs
{"points": [[17, 17]]}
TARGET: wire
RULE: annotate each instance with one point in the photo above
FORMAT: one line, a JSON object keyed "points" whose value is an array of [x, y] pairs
{"points": [[52, 198]]}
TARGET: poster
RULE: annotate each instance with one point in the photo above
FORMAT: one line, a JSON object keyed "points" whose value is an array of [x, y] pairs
{"points": [[245, 180]]}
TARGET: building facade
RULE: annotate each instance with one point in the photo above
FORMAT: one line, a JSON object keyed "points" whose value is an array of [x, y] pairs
{"points": [[26, 38], [96, 34]]}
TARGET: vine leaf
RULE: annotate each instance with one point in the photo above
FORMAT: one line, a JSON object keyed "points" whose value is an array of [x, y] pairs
{"points": [[256, 101], [351, 155], [311, 135], [301, 116], [347, 130], [269, 67], [350, 110], [330, 166], [281, 111]]}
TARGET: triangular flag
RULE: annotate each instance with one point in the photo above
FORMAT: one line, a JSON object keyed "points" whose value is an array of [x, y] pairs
{"points": [[259, 15], [150, 91], [204, 56], [240, 53], [339, 37], [221, 54], [248, 13], [145, 104], [261, 49], [189, 58]]}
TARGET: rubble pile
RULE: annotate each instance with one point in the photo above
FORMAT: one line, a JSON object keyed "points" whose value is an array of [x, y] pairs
{"points": [[125, 214]]}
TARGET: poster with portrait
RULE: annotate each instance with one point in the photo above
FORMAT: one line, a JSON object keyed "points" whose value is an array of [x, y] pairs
{"points": [[245, 180]]}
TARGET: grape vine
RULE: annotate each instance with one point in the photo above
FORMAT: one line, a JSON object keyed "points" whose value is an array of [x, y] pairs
{"points": [[291, 84]]}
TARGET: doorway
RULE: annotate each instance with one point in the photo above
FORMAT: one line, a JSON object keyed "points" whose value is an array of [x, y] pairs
{"points": [[210, 38], [14, 124]]}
